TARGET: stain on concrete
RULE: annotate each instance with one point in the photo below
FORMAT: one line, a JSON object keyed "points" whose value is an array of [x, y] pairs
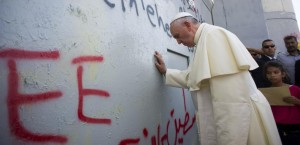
{"points": [[76, 11]]}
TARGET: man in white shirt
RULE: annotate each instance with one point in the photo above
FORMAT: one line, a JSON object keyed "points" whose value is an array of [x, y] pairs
{"points": [[230, 109], [289, 57]]}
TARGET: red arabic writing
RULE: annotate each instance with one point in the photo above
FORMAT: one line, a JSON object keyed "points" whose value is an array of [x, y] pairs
{"points": [[180, 127]]}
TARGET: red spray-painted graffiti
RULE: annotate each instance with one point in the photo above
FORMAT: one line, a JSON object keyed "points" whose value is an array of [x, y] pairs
{"points": [[164, 139], [15, 100], [84, 92]]}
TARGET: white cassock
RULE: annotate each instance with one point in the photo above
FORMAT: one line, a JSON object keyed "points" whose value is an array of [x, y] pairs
{"points": [[230, 109]]}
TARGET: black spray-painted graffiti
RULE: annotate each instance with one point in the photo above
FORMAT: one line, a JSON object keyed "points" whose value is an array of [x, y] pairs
{"points": [[151, 11]]}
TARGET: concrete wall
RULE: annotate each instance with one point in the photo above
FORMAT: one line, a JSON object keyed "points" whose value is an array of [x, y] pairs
{"points": [[280, 19], [82, 72], [256, 20], [244, 18]]}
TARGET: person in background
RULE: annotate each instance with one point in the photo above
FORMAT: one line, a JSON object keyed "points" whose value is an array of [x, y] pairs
{"points": [[289, 58], [255, 53], [297, 73], [286, 117], [230, 108], [268, 54]]}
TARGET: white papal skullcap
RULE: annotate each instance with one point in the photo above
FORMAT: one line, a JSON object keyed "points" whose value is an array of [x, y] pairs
{"points": [[181, 15]]}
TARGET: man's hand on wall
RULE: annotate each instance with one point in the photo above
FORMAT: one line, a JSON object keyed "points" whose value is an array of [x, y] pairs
{"points": [[160, 64]]}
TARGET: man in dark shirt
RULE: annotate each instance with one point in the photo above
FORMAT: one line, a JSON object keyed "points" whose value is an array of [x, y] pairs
{"points": [[268, 49], [297, 73]]}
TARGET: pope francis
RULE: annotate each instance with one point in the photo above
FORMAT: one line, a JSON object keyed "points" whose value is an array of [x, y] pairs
{"points": [[230, 109]]}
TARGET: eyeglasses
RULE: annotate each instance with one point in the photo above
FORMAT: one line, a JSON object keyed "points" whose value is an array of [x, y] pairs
{"points": [[269, 46]]}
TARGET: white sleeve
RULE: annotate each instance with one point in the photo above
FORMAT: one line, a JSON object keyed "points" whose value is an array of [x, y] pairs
{"points": [[177, 78]]}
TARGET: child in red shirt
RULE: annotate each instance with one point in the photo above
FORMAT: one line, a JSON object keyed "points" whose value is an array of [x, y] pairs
{"points": [[287, 117]]}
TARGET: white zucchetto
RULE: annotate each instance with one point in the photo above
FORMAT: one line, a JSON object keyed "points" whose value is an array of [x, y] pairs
{"points": [[181, 15]]}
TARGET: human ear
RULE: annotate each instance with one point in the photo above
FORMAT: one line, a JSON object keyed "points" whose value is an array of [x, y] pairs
{"points": [[187, 24], [283, 74]]}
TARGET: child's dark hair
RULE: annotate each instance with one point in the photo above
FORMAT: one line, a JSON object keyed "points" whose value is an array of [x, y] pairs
{"points": [[277, 64]]}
